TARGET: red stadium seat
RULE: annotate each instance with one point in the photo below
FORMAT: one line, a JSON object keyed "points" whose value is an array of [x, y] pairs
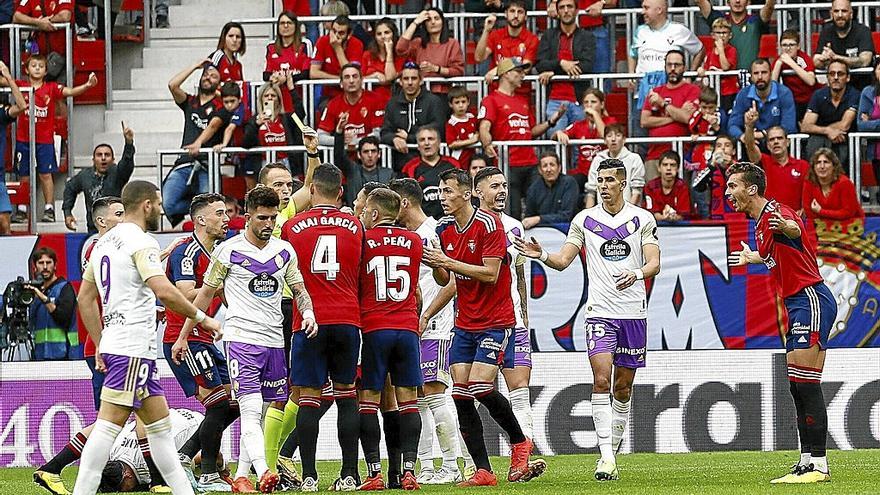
{"points": [[620, 49], [868, 179], [616, 105], [876, 37], [233, 186], [768, 47], [814, 42]]}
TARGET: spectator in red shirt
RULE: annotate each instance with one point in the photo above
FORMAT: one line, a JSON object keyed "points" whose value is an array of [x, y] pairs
{"points": [[505, 117], [272, 125], [828, 193], [288, 54], [332, 51], [42, 14], [706, 121], [668, 109], [785, 173], [233, 211], [803, 82], [461, 128], [722, 56], [592, 127], [379, 61], [298, 7], [428, 42], [668, 197], [364, 113], [513, 40], [230, 47]]}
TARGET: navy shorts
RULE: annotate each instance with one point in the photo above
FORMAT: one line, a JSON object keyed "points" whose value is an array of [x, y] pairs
{"points": [[46, 163], [811, 314], [493, 346], [97, 381], [203, 366], [334, 352], [391, 351]]}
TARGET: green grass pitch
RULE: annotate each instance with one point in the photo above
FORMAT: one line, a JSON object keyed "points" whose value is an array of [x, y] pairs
{"points": [[723, 473]]}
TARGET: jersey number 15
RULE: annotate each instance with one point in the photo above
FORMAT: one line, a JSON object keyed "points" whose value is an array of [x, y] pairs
{"points": [[388, 270]]}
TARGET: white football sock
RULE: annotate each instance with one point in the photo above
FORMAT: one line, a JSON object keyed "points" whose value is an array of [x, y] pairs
{"points": [[619, 417], [94, 457], [602, 419], [165, 456], [446, 427], [805, 459], [244, 460], [522, 409], [426, 438], [820, 464], [251, 407]]}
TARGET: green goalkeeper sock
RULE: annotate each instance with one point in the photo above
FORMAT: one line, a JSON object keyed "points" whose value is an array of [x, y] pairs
{"points": [[272, 432], [289, 422]]}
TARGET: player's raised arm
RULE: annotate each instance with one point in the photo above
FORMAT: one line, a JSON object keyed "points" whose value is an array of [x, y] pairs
{"points": [[557, 261], [300, 198]]}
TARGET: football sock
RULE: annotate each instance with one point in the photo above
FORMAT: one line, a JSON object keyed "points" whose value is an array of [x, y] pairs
{"points": [[801, 423], [619, 417], [162, 447], [462, 448], [67, 455], [290, 444], [426, 436], [368, 411], [499, 408], [522, 409], [391, 427], [193, 444], [244, 460], [410, 426], [444, 425], [251, 406], [307, 431], [211, 429], [815, 417], [470, 425], [348, 428], [820, 464], [156, 478], [94, 457], [272, 433], [602, 419], [289, 422]]}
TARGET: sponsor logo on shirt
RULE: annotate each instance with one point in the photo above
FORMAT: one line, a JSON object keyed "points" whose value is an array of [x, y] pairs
{"points": [[263, 285], [614, 250]]}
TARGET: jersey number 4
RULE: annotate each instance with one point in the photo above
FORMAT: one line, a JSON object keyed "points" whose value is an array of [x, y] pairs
{"points": [[324, 258], [387, 270]]}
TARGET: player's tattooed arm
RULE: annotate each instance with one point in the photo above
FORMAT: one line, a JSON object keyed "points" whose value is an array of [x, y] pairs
{"points": [[304, 305]]}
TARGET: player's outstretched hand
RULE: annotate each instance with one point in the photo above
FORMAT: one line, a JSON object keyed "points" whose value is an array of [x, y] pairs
{"points": [[310, 327], [531, 249], [777, 221], [434, 257], [625, 279], [740, 258], [165, 253], [213, 326]]}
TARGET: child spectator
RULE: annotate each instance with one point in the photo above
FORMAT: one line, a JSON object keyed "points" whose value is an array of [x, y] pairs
{"points": [[8, 113], [709, 186], [722, 56], [47, 95], [230, 47], [461, 128], [803, 82], [707, 120], [668, 197], [592, 127], [615, 141]]}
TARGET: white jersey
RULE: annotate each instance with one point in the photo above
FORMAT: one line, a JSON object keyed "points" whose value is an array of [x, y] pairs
{"points": [[440, 326], [120, 264], [184, 423], [252, 283], [649, 46], [514, 228], [614, 244]]}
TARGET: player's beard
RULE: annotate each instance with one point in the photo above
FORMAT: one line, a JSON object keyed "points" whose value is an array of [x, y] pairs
{"points": [[153, 221]]}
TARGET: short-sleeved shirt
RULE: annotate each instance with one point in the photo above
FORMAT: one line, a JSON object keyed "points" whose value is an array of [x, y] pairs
{"points": [[330, 244], [785, 184], [364, 115], [121, 263], [613, 244], [586, 129], [440, 326], [511, 121], [824, 108], [460, 129], [252, 279], [677, 97], [678, 198], [188, 262], [371, 65], [45, 99], [729, 84], [514, 228], [230, 70], [53, 41], [792, 262], [745, 36], [288, 58], [858, 40], [428, 176], [84, 337], [650, 46], [389, 279], [325, 58], [503, 45], [196, 117], [481, 305], [800, 90]]}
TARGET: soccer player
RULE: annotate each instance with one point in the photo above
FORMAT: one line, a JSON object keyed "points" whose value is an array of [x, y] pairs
{"points": [[473, 249], [203, 373], [125, 263], [127, 469], [436, 333], [622, 251], [252, 267], [107, 213], [390, 324], [330, 243], [791, 258]]}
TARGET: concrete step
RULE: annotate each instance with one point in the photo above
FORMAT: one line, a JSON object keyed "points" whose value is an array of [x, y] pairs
{"points": [[205, 13], [184, 30], [167, 119], [143, 140], [156, 76]]}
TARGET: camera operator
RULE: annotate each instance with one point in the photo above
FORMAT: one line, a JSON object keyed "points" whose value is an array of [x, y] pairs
{"points": [[53, 311]]}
